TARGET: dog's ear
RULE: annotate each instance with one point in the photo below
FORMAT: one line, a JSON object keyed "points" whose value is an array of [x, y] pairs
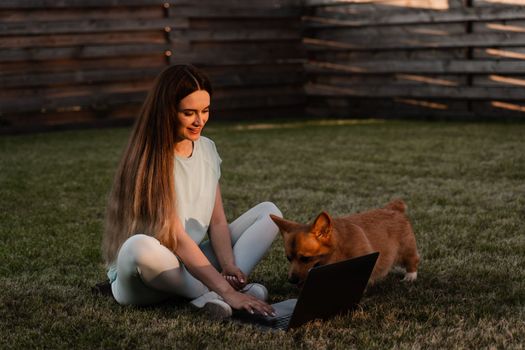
{"points": [[322, 226], [285, 226]]}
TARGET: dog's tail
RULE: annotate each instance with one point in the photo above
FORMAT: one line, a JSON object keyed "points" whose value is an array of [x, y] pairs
{"points": [[398, 205]]}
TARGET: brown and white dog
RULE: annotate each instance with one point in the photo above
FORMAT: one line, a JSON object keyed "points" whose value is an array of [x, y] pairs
{"points": [[327, 240]]}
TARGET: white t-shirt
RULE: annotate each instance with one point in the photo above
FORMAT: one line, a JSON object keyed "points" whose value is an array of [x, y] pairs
{"points": [[196, 180]]}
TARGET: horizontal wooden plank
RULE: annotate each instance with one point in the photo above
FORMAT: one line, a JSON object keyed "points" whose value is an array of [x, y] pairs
{"points": [[313, 3], [381, 105], [431, 4], [70, 14], [53, 4], [373, 7], [91, 26], [501, 107], [58, 40], [247, 92], [394, 33], [401, 104], [245, 23], [266, 113], [418, 66], [262, 101], [64, 65], [65, 120], [220, 35], [495, 3], [226, 79], [254, 4], [477, 93], [415, 42], [388, 18], [277, 49], [497, 53], [269, 69], [402, 31], [389, 103], [67, 92], [9, 80], [388, 55], [499, 80], [400, 79], [224, 58], [263, 78], [73, 116], [499, 27], [92, 101], [79, 52], [423, 114], [215, 11]]}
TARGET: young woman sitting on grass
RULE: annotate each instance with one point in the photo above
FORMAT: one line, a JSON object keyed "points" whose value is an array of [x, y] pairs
{"points": [[166, 197]]}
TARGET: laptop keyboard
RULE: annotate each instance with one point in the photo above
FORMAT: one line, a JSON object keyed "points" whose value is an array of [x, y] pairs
{"points": [[281, 322]]}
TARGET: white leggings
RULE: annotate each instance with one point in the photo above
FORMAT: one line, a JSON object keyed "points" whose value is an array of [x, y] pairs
{"points": [[148, 272]]}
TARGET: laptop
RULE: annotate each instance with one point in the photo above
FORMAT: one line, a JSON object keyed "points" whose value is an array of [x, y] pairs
{"points": [[328, 291]]}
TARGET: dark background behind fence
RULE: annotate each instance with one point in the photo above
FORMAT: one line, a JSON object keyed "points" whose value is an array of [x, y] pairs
{"points": [[90, 63]]}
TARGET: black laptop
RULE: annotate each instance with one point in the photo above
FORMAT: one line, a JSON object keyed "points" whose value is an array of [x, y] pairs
{"points": [[328, 291]]}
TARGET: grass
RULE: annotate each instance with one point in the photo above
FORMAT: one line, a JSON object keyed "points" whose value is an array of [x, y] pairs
{"points": [[464, 185]]}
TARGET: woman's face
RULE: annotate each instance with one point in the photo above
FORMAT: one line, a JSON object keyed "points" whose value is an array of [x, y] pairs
{"points": [[192, 114]]}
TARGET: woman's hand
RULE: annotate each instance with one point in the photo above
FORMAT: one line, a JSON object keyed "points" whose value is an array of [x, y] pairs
{"points": [[247, 302], [235, 277]]}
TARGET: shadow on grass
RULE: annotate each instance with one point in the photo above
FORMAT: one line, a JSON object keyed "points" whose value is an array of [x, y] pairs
{"points": [[470, 292]]}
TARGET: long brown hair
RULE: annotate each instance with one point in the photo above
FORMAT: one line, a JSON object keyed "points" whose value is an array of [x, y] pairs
{"points": [[142, 199]]}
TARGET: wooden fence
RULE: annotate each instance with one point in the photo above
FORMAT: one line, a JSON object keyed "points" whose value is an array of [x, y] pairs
{"points": [[91, 62], [421, 58]]}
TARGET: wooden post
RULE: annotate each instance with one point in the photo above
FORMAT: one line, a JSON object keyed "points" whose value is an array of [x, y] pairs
{"points": [[470, 53], [168, 53]]}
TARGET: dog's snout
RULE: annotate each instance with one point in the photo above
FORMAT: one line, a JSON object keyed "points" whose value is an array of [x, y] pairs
{"points": [[293, 279]]}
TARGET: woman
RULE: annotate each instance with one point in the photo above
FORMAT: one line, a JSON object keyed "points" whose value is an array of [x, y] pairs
{"points": [[166, 197]]}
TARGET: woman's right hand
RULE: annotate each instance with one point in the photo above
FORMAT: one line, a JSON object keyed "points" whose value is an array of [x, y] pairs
{"points": [[235, 277], [247, 302]]}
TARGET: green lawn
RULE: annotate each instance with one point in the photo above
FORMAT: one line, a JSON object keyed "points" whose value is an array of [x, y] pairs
{"points": [[464, 185]]}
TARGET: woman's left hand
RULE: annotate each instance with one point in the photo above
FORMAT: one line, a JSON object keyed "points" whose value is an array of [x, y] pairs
{"points": [[235, 277]]}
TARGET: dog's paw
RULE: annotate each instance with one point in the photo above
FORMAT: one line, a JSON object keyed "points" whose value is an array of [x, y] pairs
{"points": [[398, 270], [410, 277]]}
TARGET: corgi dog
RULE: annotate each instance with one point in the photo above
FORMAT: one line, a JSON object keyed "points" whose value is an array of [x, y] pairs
{"points": [[327, 240]]}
